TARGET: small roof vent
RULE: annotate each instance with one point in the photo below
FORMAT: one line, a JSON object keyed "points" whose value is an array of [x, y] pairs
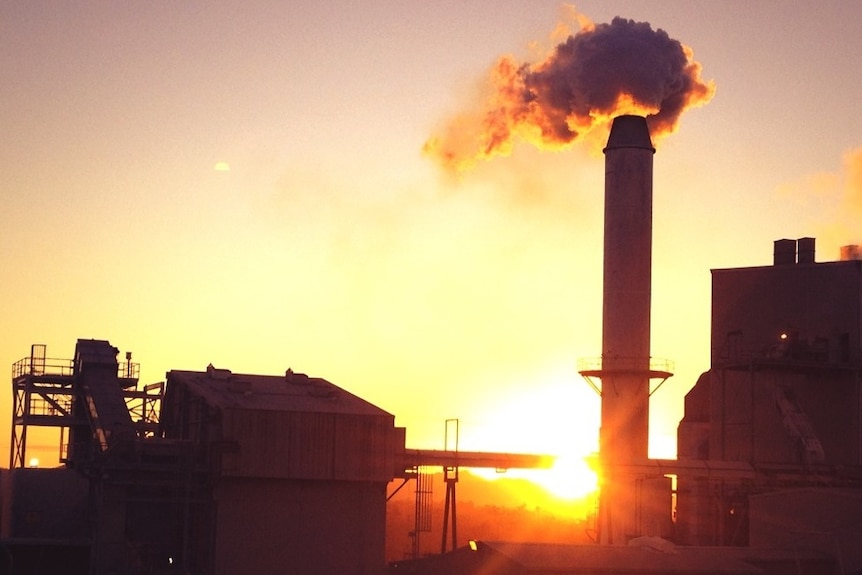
{"points": [[215, 373], [291, 376], [805, 250], [784, 252], [851, 252]]}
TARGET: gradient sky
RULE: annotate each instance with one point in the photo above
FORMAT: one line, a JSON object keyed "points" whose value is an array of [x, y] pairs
{"points": [[334, 247]]}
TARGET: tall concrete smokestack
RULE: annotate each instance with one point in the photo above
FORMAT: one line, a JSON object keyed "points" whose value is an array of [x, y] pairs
{"points": [[627, 295], [625, 370]]}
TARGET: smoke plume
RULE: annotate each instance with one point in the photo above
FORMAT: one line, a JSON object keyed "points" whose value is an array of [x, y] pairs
{"points": [[602, 71], [853, 187], [830, 201], [849, 212]]}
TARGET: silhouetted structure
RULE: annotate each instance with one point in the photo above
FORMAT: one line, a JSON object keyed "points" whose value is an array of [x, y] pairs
{"points": [[645, 555], [297, 470], [216, 473], [118, 473], [211, 473], [783, 397], [630, 505], [780, 408], [769, 475]]}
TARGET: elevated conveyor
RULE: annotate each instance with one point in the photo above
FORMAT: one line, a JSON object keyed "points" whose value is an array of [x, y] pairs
{"points": [[96, 370]]}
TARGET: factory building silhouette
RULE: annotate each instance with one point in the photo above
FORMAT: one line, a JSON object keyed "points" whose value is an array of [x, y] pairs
{"points": [[210, 472], [782, 398], [214, 472]]}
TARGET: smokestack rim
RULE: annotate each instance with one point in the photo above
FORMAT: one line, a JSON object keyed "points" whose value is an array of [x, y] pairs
{"points": [[629, 131]]}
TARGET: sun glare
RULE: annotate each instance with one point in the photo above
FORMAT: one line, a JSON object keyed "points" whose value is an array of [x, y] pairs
{"points": [[570, 478]]}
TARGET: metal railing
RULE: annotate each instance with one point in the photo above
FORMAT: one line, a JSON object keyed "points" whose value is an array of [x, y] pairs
{"points": [[42, 366], [65, 367], [39, 405], [653, 364]]}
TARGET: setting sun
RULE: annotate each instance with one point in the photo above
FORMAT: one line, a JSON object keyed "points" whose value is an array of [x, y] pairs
{"points": [[569, 480]]}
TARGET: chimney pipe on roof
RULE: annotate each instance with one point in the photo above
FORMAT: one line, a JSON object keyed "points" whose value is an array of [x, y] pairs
{"points": [[805, 251], [851, 252], [784, 252]]}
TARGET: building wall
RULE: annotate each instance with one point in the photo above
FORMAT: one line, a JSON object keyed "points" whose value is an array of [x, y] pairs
{"points": [[818, 306], [308, 445], [656, 507], [693, 430], [695, 511], [826, 520], [780, 414], [45, 504], [784, 387], [301, 527], [299, 489]]}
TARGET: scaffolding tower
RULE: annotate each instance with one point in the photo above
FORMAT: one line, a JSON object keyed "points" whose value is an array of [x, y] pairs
{"points": [[144, 489], [49, 392]]}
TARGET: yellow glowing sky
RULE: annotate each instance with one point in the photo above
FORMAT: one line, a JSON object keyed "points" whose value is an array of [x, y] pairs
{"points": [[243, 185]]}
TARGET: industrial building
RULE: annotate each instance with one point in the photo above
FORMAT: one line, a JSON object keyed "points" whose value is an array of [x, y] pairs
{"points": [[217, 473], [291, 456], [209, 472], [234, 473], [645, 555], [783, 397], [769, 473], [779, 411]]}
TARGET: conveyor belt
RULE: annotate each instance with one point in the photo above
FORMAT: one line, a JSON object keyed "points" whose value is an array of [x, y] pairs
{"points": [[96, 378]]}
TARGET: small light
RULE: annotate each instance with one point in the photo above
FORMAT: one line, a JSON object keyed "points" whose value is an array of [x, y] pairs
{"points": [[783, 336], [473, 545]]}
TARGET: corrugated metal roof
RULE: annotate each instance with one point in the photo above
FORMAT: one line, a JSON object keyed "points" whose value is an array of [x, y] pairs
{"points": [[558, 558], [513, 558], [293, 392]]}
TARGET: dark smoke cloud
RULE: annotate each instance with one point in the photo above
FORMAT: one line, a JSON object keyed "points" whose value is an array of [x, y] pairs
{"points": [[602, 71]]}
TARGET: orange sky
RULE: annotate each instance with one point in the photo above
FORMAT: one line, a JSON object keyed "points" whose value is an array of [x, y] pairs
{"points": [[245, 186]]}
